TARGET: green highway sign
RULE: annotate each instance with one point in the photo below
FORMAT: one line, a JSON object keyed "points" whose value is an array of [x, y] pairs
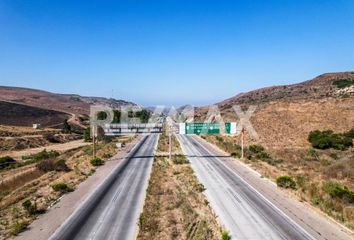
{"points": [[230, 127], [202, 128]]}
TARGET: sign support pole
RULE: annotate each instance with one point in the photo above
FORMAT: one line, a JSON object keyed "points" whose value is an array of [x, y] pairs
{"points": [[169, 144], [94, 141], [242, 139]]}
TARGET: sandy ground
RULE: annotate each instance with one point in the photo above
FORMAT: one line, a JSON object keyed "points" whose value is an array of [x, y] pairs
{"points": [[43, 227], [61, 147]]}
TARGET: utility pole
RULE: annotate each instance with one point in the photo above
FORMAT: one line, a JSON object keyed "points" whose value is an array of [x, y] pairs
{"points": [[94, 141], [169, 144], [242, 139]]}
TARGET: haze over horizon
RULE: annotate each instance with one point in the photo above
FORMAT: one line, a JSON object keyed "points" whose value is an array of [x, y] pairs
{"points": [[171, 52]]}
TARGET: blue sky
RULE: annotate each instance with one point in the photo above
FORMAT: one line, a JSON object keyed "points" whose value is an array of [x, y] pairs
{"points": [[171, 52]]}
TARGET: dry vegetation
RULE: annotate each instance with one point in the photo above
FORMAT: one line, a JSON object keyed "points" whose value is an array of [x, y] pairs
{"points": [[175, 207], [18, 138], [29, 190], [324, 178]]}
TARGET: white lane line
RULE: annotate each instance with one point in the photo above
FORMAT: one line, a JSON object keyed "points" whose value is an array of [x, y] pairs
{"points": [[230, 209], [110, 204]]}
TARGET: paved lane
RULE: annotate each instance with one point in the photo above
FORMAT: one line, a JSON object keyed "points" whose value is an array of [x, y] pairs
{"points": [[244, 211], [112, 210]]}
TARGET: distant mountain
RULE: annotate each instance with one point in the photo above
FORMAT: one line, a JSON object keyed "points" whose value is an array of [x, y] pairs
{"points": [[68, 103]]}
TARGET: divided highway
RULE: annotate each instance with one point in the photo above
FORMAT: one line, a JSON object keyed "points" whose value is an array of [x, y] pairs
{"points": [[112, 210], [249, 206]]}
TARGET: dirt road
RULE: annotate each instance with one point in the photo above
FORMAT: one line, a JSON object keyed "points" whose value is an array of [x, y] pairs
{"points": [[61, 147]]}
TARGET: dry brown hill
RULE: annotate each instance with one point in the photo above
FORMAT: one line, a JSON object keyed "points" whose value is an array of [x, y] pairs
{"points": [[68, 103], [286, 114], [21, 115]]}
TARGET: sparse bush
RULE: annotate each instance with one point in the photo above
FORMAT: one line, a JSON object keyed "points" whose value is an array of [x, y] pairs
{"points": [[66, 127], [61, 187], [343, 83], [96, 162], [329, 139], [219, 138], [225, 235], [256, 148], [101, 115], [236, 154], [179, 159], [52, 165], [199, 187], [41, 155], [336, 190], [301, 182], [86, 135], [257, 152], [50, 138], [6, 162], [29, 207], [350, 133], [18, 227], [285, 182]]}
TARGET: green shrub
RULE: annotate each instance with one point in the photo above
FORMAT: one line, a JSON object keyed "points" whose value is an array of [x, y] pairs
{"points": [[236, 154], [256, 148], [52, 165], [200, 187], [343, 83], [101, 115], [18, 227], [219, 138], [285, 182], [225, 235], [350, 133], [41, 155], [29, 207], [66, 127], [329, 139], [6, 162], [179, 159], [96, 162], [61, 187], [86, 135], [336, 190]]}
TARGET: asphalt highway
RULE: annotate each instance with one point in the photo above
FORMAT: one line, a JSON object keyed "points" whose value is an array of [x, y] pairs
{"points": [[112, 210], [243, 205]]}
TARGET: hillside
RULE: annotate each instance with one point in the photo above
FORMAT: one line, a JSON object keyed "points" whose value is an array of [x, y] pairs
{"points": [[21, 115], [286, 114], [68, 103], [323, 86]]}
